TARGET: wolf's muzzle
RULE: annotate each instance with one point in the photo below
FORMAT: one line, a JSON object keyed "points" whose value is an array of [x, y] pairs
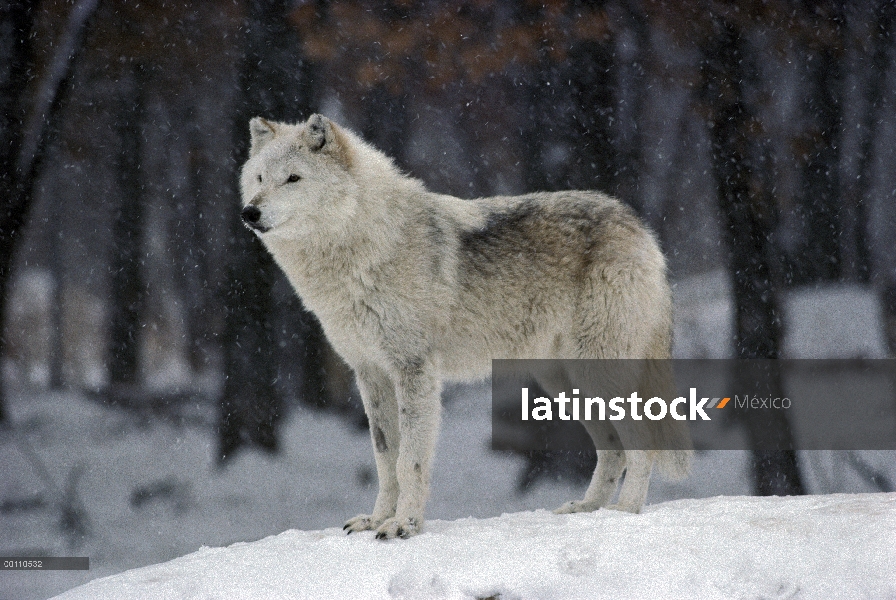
{"points": [[251, 215]]}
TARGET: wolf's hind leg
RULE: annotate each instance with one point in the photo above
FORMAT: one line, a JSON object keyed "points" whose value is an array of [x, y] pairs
{"points": [[611, 460], [381, 406], [610, 456]]}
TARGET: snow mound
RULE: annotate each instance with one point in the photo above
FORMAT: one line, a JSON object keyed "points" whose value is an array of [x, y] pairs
{"points": [[835, 546]]}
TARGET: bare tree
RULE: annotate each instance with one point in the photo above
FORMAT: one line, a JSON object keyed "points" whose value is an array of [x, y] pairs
{"points": [[26, 121], [750, 218], [857, 191], [128, 289], [820, 255], [631, 84], [274, 83], [858, 261]]}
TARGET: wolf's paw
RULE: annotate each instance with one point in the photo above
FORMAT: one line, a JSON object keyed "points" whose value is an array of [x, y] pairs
{"points": [[396, 527], [576, 506], [624, 508], [361, 523]]}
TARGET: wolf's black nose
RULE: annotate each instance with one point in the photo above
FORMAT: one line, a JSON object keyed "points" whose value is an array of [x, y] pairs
{"points": [[251, 214]]}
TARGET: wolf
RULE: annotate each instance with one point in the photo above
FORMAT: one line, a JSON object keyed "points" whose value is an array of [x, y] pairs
{"points": [[415, 288]]}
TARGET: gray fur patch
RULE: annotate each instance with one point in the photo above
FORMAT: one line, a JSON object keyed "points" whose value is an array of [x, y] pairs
{"points": [[439, 239]]}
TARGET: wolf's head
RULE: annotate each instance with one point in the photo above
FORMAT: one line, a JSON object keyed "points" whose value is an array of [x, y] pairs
{"points": [[298, 179]]}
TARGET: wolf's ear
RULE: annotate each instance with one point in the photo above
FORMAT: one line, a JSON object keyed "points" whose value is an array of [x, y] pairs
{"points": [[322, 135], [262, 132], [318, 132]]}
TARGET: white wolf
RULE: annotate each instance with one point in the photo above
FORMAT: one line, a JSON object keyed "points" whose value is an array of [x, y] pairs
{"points": [[413, 288]]}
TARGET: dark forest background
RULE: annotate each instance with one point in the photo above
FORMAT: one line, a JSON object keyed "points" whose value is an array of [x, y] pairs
{"points": [[755, 137]]}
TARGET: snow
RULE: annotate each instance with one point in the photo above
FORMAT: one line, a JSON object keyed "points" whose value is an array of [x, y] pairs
{"points": [[703, 316], [829, 321], [834, 321], [834, 546], [326, 475]]}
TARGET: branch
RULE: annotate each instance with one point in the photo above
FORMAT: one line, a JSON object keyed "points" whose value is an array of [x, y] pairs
{"points": [[48, 91]]}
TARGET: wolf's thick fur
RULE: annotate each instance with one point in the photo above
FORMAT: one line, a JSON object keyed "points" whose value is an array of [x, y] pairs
{"points": [[413, 288]]}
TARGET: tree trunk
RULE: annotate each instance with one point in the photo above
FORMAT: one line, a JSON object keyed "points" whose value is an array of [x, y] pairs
{"points": [[750, 215], [128, 287], [885, 15], [630, 162], [194, 256], [820, 255], [274, 80], [251, 405], [17, 20], [24, 134], [594, 112], [535, 94]]}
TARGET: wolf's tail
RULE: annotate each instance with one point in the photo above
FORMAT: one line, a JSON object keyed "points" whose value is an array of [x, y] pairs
{"points": [[674, 458]]}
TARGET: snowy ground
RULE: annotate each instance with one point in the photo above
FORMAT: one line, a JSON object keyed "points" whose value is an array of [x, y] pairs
{"points": [[835, 546], [325, 475]]}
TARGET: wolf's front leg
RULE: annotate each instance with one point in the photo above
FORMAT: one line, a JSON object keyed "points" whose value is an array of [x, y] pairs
{"points": [[419, 409], [378, 395]]}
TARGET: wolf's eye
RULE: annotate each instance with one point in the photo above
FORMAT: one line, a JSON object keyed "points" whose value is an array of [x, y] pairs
{"points": [[292, 178], [259, 179]]}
